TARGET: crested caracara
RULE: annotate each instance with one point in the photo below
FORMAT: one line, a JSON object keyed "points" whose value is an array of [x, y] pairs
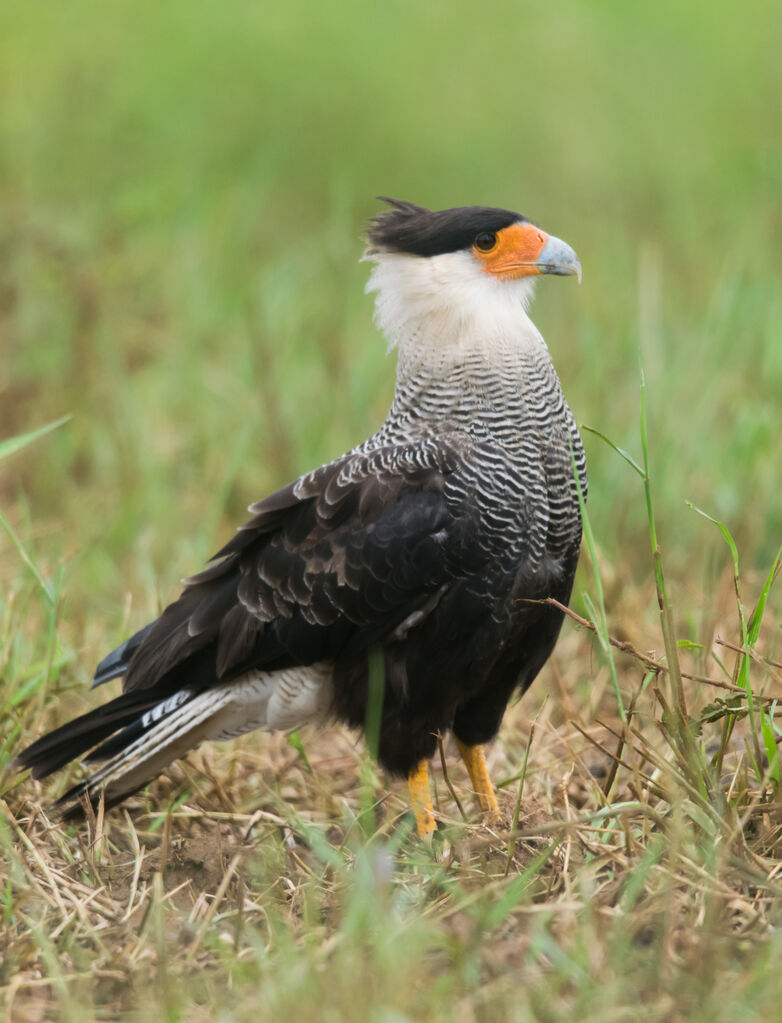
{"points": [[425, 549]]}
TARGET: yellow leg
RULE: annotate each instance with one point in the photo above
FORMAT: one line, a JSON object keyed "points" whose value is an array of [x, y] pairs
{"points": [[475, 762], [420, 797]]}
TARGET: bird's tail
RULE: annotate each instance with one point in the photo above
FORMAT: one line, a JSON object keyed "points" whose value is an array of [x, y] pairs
{"points": [[139, 751], [55, 749], [142, 750]]}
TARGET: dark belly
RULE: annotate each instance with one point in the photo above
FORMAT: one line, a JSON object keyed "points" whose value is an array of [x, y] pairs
{"points": [[459, 668]]}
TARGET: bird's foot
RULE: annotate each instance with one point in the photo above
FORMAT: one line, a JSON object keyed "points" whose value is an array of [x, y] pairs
{"points": [[420, 797], [475, 762]]}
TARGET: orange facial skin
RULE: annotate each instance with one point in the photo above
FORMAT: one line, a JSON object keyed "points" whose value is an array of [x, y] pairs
{"points": [[515, 253]]}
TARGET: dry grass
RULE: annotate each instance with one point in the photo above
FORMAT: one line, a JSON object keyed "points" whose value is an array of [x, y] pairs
{"points": [[260, 878], [183, 190]]}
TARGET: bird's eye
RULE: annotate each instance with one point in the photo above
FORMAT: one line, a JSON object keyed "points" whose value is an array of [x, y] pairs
{"points": [[485, 241]]}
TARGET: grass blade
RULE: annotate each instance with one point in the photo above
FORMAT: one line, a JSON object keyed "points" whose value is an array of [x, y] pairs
{"points": [[13, 444]]}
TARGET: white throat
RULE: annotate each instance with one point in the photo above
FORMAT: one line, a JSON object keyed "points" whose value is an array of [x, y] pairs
{"points": [[443, 310]]}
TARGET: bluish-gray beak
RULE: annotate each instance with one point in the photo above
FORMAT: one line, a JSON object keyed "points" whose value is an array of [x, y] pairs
{"points": [[558, 258]]}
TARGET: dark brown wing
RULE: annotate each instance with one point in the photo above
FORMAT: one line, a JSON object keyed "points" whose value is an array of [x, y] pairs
{"points": [[328, 566]]}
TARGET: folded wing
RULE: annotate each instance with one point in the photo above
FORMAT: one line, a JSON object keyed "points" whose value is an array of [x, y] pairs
{"points": [[329, 566]]}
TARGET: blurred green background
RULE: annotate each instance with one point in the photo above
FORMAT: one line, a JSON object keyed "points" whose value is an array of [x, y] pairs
{"points": [[183, 189]]}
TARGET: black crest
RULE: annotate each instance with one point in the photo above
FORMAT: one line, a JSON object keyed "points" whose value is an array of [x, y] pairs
{"points": [[422, 232]]}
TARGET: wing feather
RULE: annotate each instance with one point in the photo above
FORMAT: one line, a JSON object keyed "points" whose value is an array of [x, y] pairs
{"points": [[338, 558]]}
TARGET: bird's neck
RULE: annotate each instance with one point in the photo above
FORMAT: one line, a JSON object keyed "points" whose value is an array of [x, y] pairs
{"points": [[493, 387], [477, 351], [441, 314]]}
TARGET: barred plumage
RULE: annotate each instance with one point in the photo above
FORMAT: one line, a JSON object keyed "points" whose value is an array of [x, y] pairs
{"points": [[429, 542]]}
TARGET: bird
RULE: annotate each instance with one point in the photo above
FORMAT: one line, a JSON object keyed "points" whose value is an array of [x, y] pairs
{"points": [[409, 577]]}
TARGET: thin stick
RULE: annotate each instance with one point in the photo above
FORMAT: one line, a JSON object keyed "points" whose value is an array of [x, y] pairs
{"points": [[628, 648], [446, 777]]}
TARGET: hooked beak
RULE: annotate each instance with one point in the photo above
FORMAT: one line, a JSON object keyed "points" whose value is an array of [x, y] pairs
{"points": [[558, 258]]}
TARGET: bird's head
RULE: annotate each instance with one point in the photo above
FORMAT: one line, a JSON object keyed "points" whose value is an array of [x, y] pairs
{"points": [[457, 268]]}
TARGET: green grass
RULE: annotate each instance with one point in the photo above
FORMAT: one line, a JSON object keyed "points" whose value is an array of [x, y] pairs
{"points": [[182, 194]]}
